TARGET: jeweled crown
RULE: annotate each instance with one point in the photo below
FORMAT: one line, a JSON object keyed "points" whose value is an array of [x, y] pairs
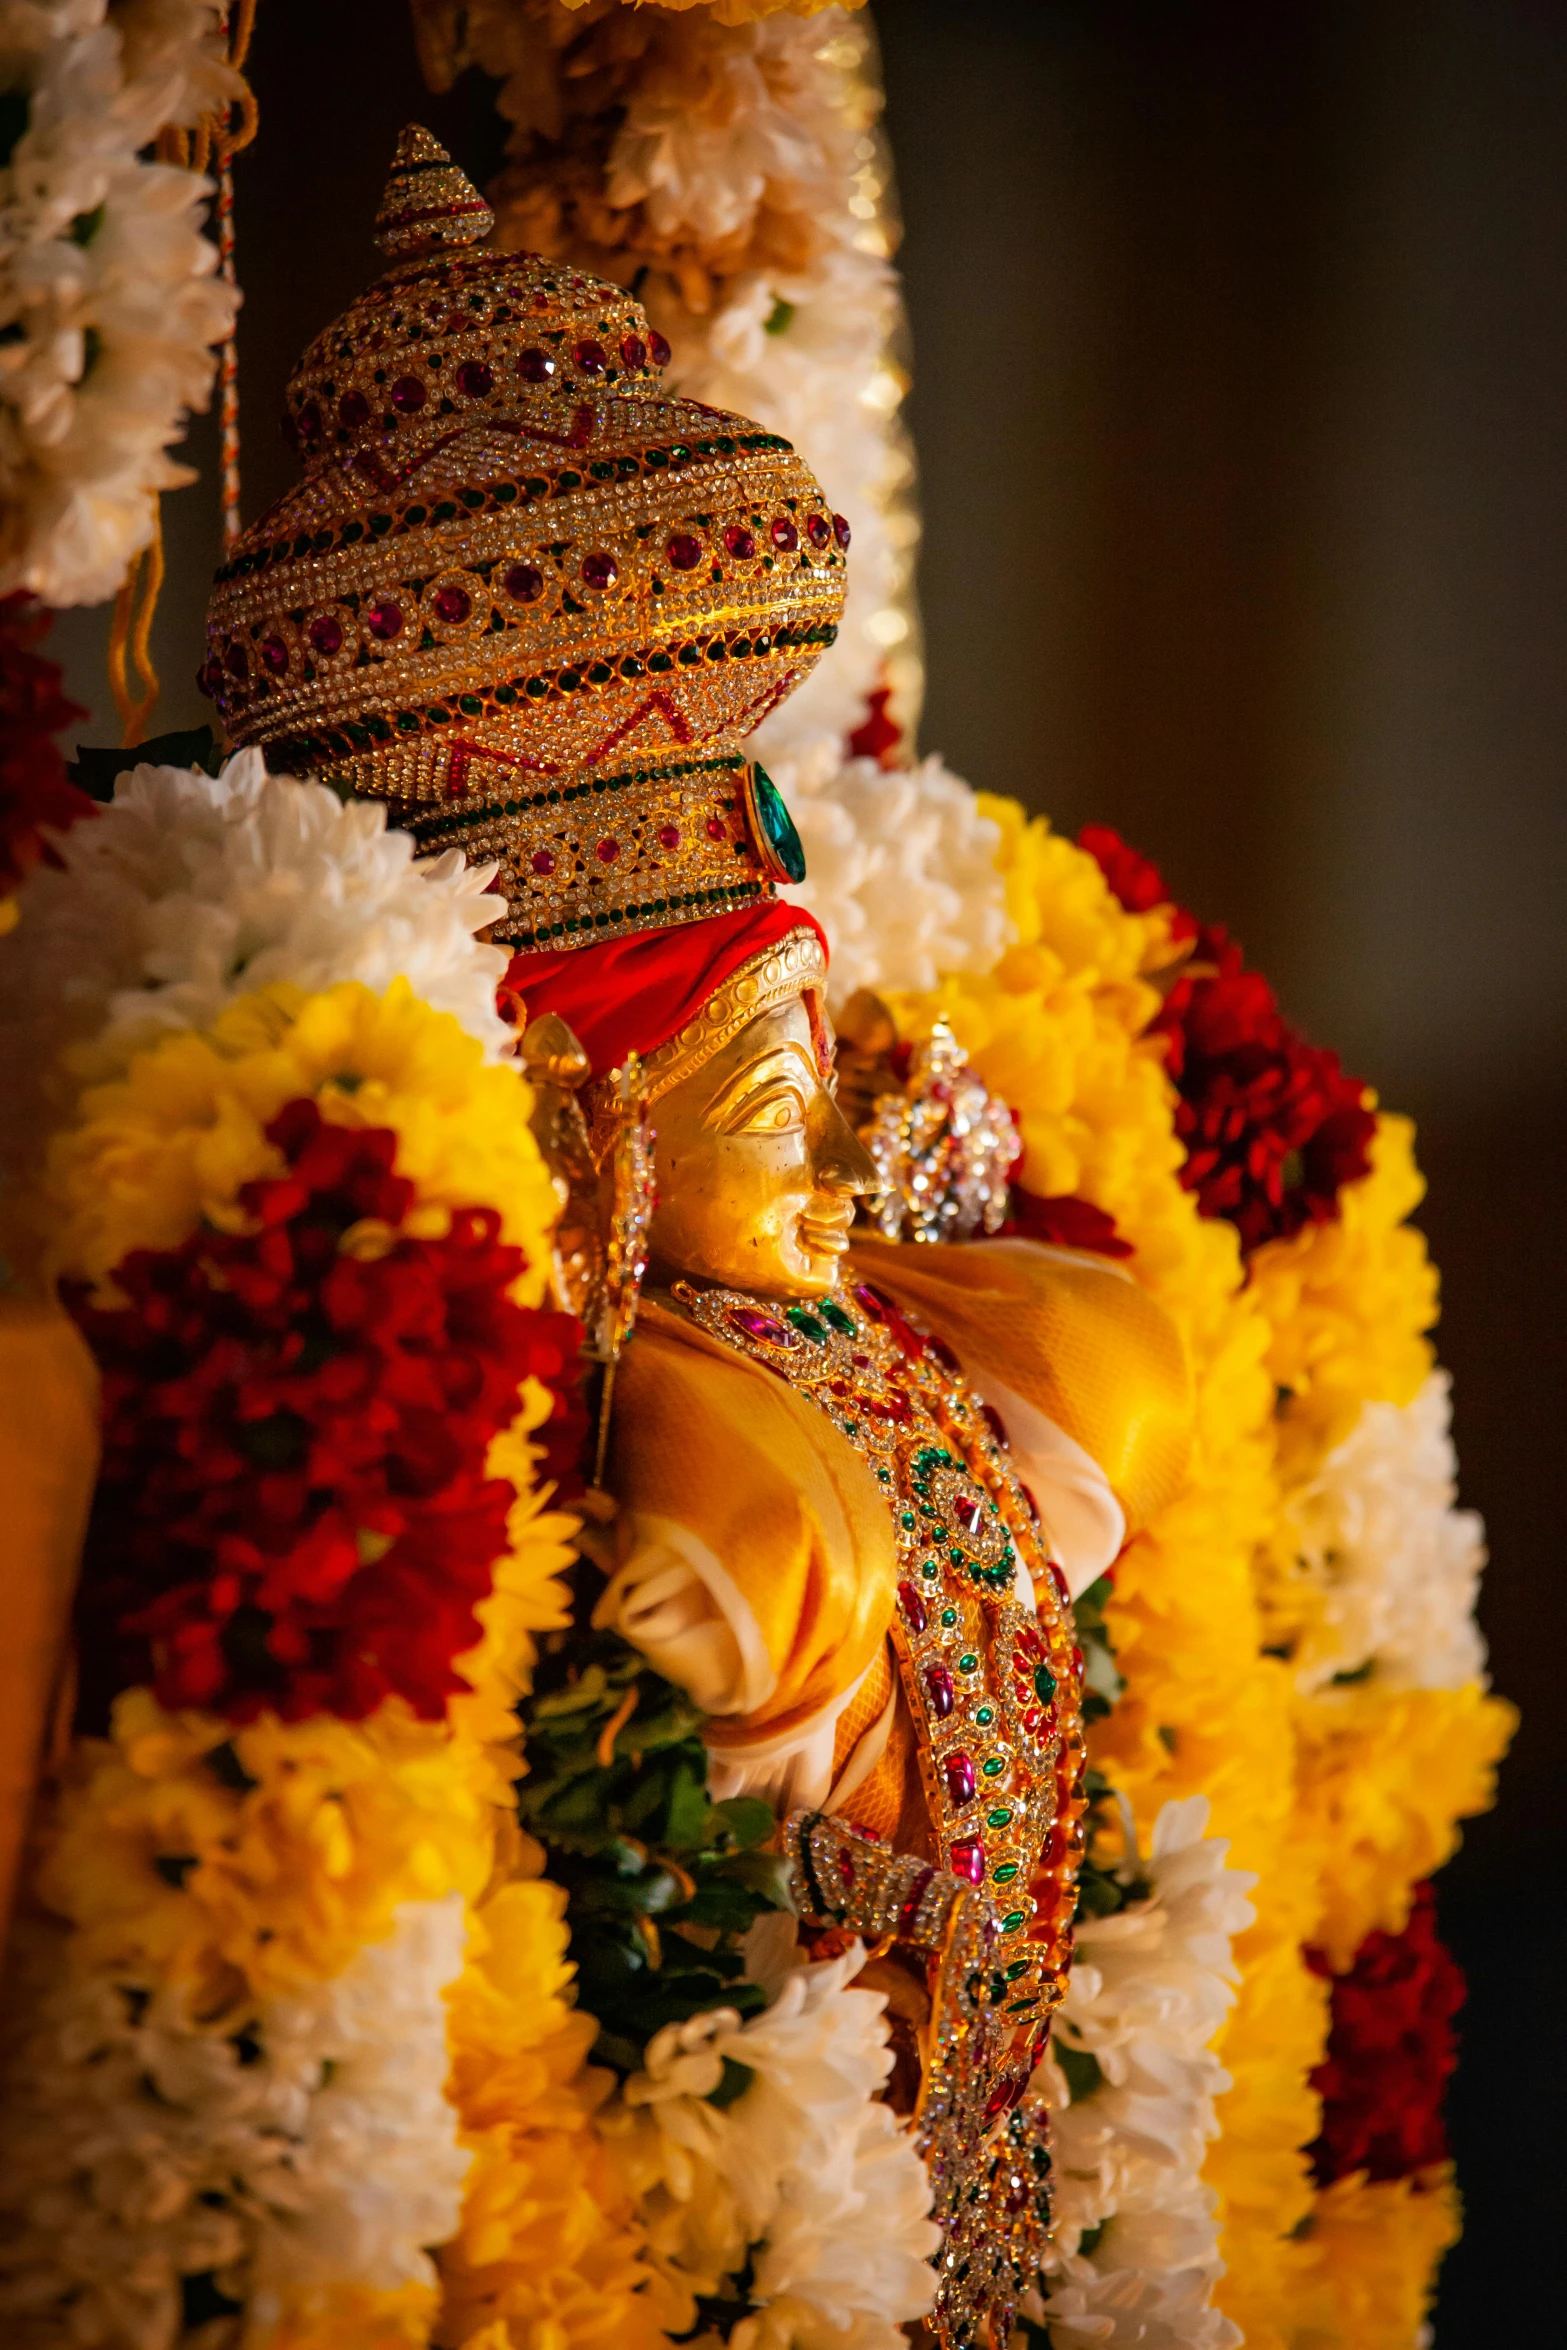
{"points": [[520, 592]]}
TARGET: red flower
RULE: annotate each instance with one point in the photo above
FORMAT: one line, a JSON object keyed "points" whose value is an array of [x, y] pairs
{"points": [[1391, 2048], [34, 787], [1064, 1221], [293, 1510], [1273, 1127]]}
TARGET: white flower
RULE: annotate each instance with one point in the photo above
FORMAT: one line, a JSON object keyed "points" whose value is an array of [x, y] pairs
{"points": [[189, 891], [804, 2170], [901, 870], [315, 2146], [1395, 1566], [109, 297], [1149, 1988]]}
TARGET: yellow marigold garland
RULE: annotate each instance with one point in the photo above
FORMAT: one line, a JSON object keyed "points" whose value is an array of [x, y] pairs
{"points": [[1058, 1030]]}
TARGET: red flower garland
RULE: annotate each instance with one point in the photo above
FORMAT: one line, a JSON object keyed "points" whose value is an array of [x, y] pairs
{"points": [[293, 1510], [1390, 2050], [1273, 1127], [1062, 1220], [34, 787]]}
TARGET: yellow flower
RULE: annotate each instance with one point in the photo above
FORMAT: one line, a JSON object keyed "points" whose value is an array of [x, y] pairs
{"points": [[173, 1141], [1385, 1778], [1375, 2247], [526, 1595], [547, 2253], [349, 2317]]}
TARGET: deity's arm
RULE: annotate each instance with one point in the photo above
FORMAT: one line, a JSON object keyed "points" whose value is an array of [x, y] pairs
{"points": [[48, 1456], [1086, 1369], [754, 1554]]}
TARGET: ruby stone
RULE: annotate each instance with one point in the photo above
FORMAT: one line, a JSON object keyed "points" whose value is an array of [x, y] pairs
{"points": [[684, 551], [408, 395], [913, 1607], [452, 604], [385, 619], [968, 1859], [968, 1512], [592, 358], [353, 410], [658, 348], [523, 583], [600, 569], [785, 537], [475, 381], [959, 1773], [535, 367], [939, 1689]]}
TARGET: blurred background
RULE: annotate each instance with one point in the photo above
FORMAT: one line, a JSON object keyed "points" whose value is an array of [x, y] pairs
{"points": [[1241, 406]]}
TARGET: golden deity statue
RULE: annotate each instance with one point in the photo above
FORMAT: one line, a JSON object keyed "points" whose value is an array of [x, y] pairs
{"points": [[535, 605]]}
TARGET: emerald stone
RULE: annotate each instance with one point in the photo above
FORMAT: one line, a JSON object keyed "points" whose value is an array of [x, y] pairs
{"points": [[807, 1325], [1011, 1922], [985, 1715], [966, 1664], [998, 1818], [949, 1616], [994, 1767], [836, 1319], [1044, 1684], [777, 824], [1005, 1873], [1018, 1967]]}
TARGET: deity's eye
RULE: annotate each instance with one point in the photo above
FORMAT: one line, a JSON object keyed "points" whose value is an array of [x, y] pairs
{"points": [[776, 1107]]}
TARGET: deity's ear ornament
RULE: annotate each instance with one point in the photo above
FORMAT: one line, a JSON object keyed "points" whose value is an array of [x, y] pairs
{"points": [[524, 595]]}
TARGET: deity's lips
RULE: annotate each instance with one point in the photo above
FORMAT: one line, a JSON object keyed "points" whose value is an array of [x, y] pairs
{"points": [[824, 1227]]}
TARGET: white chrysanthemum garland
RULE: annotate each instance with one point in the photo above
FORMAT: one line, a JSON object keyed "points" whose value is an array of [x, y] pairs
{"points": [[1393, 1564], [313, 2148], [901, 869], [1131, 2081], [804, 2175], [188, 891], [109, 298]]}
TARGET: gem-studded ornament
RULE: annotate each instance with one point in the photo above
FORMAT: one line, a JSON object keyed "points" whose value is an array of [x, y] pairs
{"points": [[548, 578]]}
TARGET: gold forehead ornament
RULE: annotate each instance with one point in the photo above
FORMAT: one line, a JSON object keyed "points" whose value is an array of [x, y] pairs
{"points": [[521, 593]]}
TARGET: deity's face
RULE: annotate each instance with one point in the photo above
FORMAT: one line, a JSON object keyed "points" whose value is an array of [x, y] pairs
{"points": [[757, 1168]]}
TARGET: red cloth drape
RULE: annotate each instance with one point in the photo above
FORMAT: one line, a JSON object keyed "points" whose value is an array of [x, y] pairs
{"points": [[633, 994]]}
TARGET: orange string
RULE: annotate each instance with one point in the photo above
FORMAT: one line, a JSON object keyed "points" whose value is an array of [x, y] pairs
{"points": [[130, 639]]}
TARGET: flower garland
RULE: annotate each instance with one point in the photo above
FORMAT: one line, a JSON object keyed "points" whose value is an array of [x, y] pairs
{"points": [[286, 1951], [34, 789], [110, 300]]}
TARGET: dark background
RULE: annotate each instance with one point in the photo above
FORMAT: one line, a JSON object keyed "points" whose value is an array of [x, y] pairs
{"points": [[1241, 402]]}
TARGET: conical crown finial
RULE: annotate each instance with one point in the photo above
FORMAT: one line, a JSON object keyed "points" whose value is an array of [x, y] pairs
{"points": [[429, 202]]}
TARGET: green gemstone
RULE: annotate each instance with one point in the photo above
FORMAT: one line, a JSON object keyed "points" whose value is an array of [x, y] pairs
{"points": [[807, 1325], [907, 1520], [777, 824], [998, 1818], [885, 1475], [994, 1768], [956, 1557], [1018, 1967], [949, 1616], [966, 1664], [1022, 2006], [836, 1319], [1044, 1684], [984, 1715], [1005, 1873], [1011, 1922], [930, 1570]]}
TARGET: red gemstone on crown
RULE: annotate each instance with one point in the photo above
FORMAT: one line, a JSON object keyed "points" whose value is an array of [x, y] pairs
{"points": [[608, 851], [633, 351], [669, 836], [452, 604], [275, 654], [741, 543], [237, 661], [535, 367], [600, 569], [818, 530], [841, 530], [912, 1899], [684, 551], [785, 536], [938, 1687], [961, 1777], [968, 1512], [475, 381], [717, 829], [408, 395], [658, 348], [308, 422], [592, 358], [542, 861], [913, 1607], [326, 635], [385, 619], [968, 1859], [353, 410], [523, 583]]}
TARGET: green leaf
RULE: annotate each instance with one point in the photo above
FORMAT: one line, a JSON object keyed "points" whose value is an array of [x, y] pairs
{"points": [[96, 771], [737, 2078], [1083, 2072]]}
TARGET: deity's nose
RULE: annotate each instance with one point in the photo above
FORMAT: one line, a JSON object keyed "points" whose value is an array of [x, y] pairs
{"points": [[840, 1162]]}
